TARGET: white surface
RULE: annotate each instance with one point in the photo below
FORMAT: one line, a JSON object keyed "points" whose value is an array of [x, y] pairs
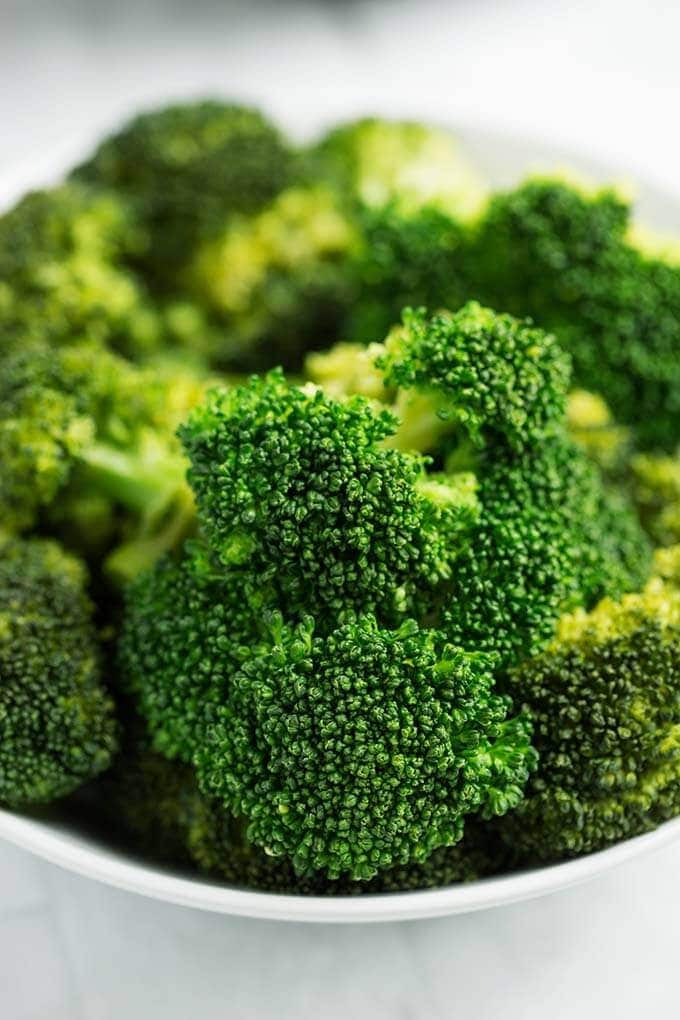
{"points": [[601, 76]]}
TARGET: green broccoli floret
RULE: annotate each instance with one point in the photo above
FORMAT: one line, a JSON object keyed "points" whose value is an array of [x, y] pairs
{"points": [[656, 488], [299, 489], [57, 727], [187, 168], [401, 260], [561, 255], [62, 275], [488, 374], [605, 700], [363, 748], [182, 640], [276, 281], [551, 536], [376, 162], [83, 430]]}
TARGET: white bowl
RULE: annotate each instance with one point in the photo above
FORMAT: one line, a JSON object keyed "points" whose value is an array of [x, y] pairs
{"points": [[503, 160]]}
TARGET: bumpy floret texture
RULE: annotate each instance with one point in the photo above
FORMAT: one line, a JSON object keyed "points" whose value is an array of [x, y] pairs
{"points": [[605, 701], [298, 488], [181, 643], [561, 255], [56, 720], [489, 374], [187, 168], [63, 275], [363, 748], [551, 536]]}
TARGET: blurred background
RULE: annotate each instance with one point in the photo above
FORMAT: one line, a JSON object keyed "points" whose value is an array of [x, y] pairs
{"points": [[598, 76]]}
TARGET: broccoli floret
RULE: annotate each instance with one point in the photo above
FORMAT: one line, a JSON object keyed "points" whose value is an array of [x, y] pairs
{"points": [[490, 375], [83, 425], [185, 626], [551, 536], [186, 169], [363, 748], [605, 701], [276, 281], [62, 275], [298, 488], [656, 488], [57, 727], [561, 255], [376, 162], [401, 260]]}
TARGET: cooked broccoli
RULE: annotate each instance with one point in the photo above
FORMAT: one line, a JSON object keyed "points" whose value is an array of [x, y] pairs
{"points": [[186, 169], [299, 489], [374, 163], [605, 701], [656, 488], [87, 437], [592, 427], [276, 281], [562, 255], [57, 727], [62, 274]]}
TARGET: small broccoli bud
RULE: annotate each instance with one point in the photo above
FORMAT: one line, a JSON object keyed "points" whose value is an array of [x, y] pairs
{"points": [[299, 490], [364, 748], [488, 374], [56, 721], [605, 700], [186, 168]]}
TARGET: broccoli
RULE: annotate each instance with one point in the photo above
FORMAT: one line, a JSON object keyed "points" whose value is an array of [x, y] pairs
{"points": [[592, 427], [656, 488], [376, 163], [186, 169], [562, 255], [63, 275], [489, 392], [605, 701], [84, 432], [298, 488], [57, 727], [363, 748], [275, 281]]}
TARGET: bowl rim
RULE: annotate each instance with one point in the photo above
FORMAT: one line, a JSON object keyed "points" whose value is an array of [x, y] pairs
{"points": [[90, 859], [76, 852]]}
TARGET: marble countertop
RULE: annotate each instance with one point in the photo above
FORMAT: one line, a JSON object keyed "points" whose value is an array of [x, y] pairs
{"points": [[602, 76]]}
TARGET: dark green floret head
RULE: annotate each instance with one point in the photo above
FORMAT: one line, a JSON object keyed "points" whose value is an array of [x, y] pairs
{"points": [[299, 489], [489, 374], [181, 641], [551, 536], [363, 748], [57, 728], [187, 168], [605, 702]]}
